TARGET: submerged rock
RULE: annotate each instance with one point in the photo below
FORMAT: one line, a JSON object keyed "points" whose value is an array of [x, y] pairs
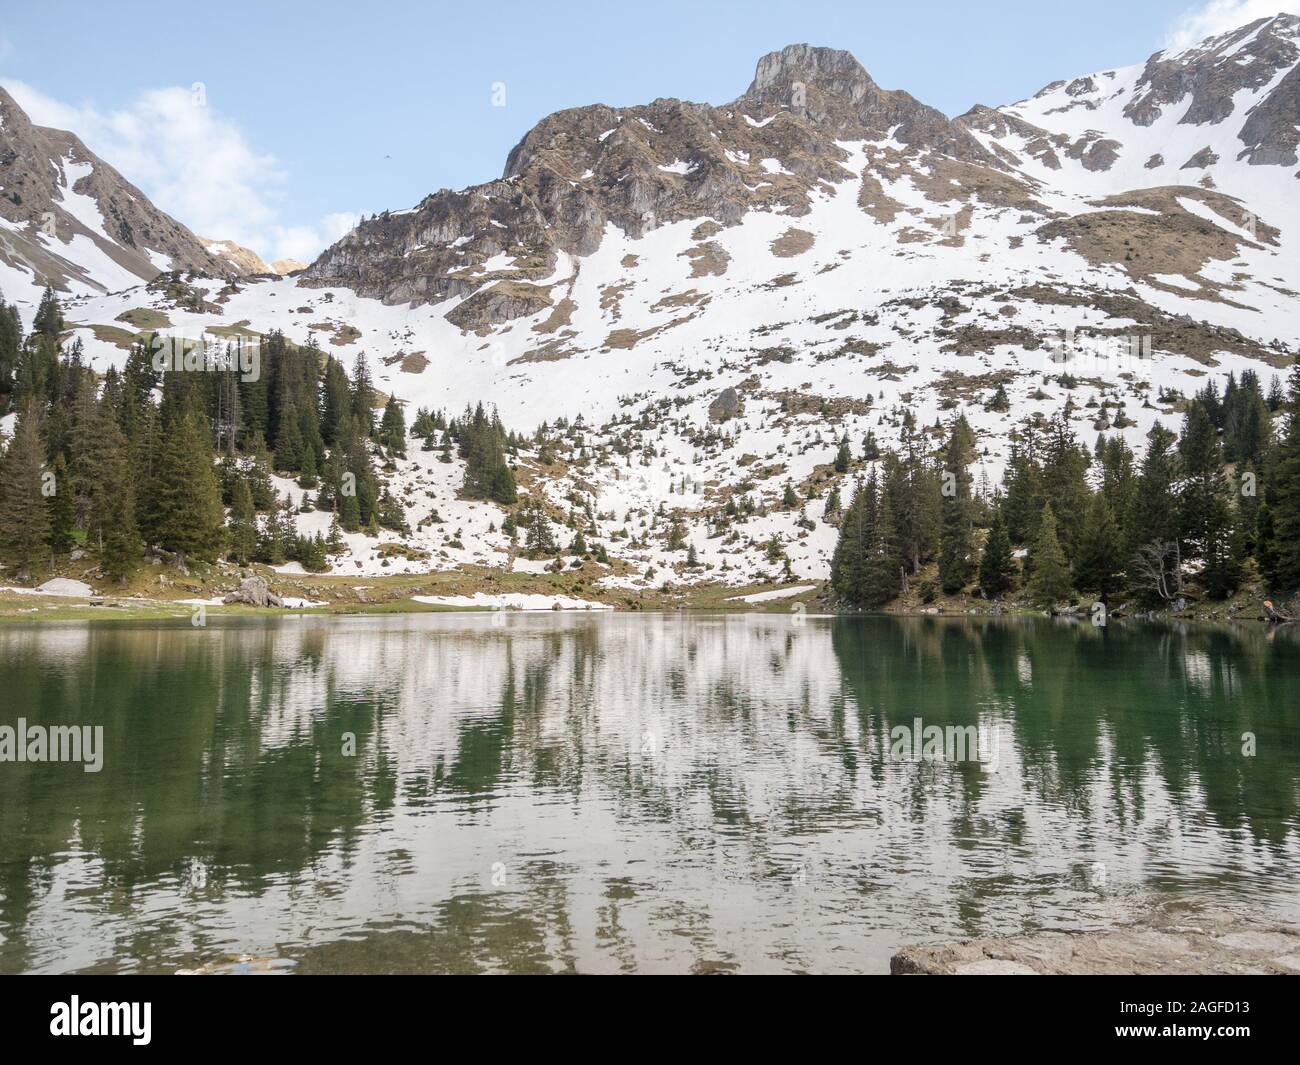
{"points": [[1177, 940], [241, 965]]}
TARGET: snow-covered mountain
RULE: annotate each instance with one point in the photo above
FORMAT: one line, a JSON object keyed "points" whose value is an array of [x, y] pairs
{"points": [[722, 292], [69, 219]]}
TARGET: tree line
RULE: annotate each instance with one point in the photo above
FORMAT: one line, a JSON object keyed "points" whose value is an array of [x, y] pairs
{"points": [[1196, 514], [181, 462]]}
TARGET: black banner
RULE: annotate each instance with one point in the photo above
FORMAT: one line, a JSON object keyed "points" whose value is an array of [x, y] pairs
{"points": [[150, 1014]]}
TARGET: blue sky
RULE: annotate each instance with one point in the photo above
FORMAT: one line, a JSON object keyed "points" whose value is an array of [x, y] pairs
{"points": [[313, 113]]}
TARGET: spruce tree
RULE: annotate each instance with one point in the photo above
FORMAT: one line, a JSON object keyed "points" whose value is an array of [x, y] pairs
{"points": [[956, 560], [882, 568], [24, 516], [111, 524], [843, 457], [1049, 574], [997, 568], [1153, 511], [1064, 482], [186, 493], [362, 398], [849, 560], [392, 429], [1210, 529], [1098, 563], [540, 543], [243, 525], [63, 509], [1283, 500]]}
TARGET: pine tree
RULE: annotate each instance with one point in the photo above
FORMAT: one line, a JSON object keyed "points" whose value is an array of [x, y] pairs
{"points": [[1201, 483], [1153, 511], [186, 495], [843, 457], [24, 517], [63, 509], [1099, 563], [111, 525], [956, 561], [362, 399], [1282, 497], [48, 322], [334, 543], [914, 489], [1209, 526], [10, 342], [540, 543], [1064, 482], [1023, 497], [243, 525], [849, 562], [997, 567], [392, 429], [882, 568], [1049, 574]]}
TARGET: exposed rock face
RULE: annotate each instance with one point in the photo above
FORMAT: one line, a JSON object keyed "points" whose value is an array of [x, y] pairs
{"points": [[1175, 941], [1272, 132], [499, 303], [253, 591], [578, 171], [728, 405], [58, 193], [1214, 71]]}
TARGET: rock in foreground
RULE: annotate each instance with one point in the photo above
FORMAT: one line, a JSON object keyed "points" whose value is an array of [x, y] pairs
{"points": [[253, 591], [1176, 941]]}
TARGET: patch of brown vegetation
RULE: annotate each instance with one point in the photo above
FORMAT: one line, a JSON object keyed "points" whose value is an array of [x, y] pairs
{"points": [[692, 297], [708, 258], [782, 281], [1178, 334], [611, 298], [1174, 241], [626, 339], [792, 242], [794, 401], [859, 348], [560, 316], [954, 385]]}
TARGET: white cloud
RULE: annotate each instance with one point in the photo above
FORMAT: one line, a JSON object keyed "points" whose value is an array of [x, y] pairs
{"points": [[304, 243], [193, 163], [1218, 16]]}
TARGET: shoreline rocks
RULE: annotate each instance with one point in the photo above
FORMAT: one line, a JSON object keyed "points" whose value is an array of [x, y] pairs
{"points": [[1179, 939]]}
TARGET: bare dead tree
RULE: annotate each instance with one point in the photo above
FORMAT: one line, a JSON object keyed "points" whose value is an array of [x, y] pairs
{"points": [[1157, 568]]}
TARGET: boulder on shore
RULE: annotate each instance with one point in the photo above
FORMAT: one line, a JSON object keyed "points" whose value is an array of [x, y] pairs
{"points": [[253, 591]]}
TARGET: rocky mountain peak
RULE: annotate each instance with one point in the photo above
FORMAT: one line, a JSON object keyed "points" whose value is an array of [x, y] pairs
{"points": [[1212, 72], [76, 223], [829, 69]]}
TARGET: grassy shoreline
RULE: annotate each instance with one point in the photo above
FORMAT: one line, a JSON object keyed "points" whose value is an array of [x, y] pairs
{"points": [[351, 596]]}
